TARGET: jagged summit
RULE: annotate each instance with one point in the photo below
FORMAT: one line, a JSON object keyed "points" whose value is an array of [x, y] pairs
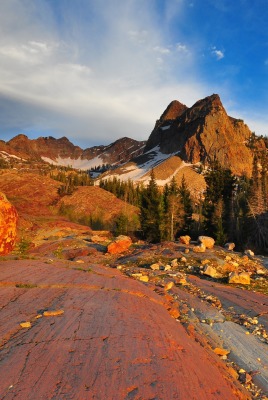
{"points": [[173, 111], [204, 132]]}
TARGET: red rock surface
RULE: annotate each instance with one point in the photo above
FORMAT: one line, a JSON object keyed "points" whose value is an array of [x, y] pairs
{"points": [[114, 340], [8, 225]]}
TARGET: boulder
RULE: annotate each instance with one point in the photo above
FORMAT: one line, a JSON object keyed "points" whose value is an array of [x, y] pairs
{"points": [[243, 278], [199, 249], [229, 246], [8, 225], [212, 272], [207, 241], [185, 239], [119, 245]]}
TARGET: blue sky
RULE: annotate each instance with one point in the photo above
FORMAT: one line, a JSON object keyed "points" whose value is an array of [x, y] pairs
{"points": [[96, 70]]}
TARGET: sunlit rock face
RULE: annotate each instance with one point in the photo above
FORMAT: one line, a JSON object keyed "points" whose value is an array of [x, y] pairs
{"points": [[203, 133], [8, 225]]}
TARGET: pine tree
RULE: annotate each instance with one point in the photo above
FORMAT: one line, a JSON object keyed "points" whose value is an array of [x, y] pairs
{"points": [[151, 212], [257, 220], [185, 199], [220, 185]]}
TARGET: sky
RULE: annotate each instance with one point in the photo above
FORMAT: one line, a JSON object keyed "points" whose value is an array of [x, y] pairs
{"points": [[96, 70]]}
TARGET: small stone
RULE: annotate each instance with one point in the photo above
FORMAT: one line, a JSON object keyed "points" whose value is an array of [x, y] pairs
{"points": [[174, 263], [137, 275], [186, 251], [169, 286], [174, 312], [261, 272], [243, 278], [26, 324], [183, 259], [167, 268], [119, 267], [221, 352], [185, 239], [199, 249], [144, 278], [228, 258], [249, 253], [53, 313], [181, 281], [229, 246], [155, 267], [80, 261], [233, 373]]}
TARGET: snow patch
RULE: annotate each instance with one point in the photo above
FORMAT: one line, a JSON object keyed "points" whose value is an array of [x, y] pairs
{"points": [[164, 128], [6, 155], [78, 163], [136, 172]]}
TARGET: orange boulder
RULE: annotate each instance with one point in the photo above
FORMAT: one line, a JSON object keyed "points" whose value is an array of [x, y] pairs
{"points": [[119, 245], [8, 225]]}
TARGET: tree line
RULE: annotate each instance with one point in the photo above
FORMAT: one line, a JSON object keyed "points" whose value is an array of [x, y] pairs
{"points": [[231, 208]]}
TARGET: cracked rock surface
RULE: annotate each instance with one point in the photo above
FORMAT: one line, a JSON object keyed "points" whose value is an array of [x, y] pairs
{"points": [[79, 329]]}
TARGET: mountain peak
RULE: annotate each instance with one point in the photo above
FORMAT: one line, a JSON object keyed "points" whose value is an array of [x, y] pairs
{"points": [[202, 133], [173, 111]]}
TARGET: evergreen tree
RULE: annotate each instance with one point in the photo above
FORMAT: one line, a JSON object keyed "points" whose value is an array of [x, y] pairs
{"points": [[257, 221], [185, 199], [219, 194], [151, 212]]}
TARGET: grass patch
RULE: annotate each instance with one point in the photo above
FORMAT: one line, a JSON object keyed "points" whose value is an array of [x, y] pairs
{"points": [[26, 285]]}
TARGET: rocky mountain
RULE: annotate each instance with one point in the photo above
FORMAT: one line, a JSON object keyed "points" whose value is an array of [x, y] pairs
{"points": [[202, 133], [63, 152], [185, 139]]}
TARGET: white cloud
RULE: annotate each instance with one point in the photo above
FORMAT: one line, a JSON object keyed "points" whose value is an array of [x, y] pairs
{"points": [[97, 82], [161, 50], [182, 48], [219, 54]]}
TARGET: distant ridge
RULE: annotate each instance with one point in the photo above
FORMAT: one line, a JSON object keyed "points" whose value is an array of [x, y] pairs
{"points": [[63, 152]]}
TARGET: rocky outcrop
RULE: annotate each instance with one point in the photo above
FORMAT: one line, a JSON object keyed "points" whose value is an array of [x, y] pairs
{"points": [[204, 132], [8, 225]]}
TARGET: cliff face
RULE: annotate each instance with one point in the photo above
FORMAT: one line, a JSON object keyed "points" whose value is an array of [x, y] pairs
{"points": [[204, 132]]}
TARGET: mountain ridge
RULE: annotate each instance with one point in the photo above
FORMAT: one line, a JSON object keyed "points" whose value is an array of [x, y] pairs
{"points": [[197, 135]]}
